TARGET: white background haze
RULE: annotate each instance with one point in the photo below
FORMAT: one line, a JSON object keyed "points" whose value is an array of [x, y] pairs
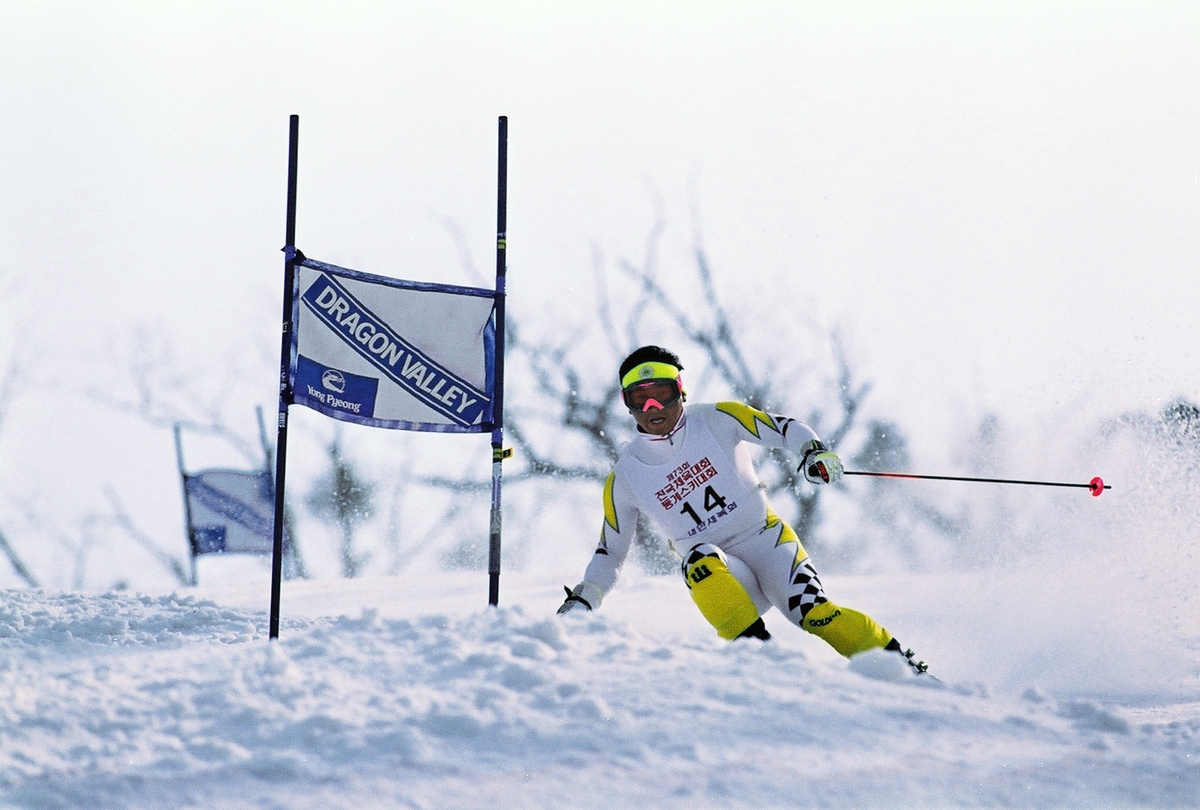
{"points": [[997, 205]]}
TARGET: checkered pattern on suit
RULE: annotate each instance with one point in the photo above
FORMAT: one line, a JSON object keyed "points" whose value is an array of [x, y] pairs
{"points": [[807, 592]]}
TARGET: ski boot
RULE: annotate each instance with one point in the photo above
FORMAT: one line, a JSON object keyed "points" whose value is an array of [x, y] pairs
{"points": [[756, 630], [918, 667]]}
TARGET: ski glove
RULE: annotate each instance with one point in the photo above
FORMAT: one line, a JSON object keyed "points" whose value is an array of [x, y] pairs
{"points": [[586, 594], [820, 465]]}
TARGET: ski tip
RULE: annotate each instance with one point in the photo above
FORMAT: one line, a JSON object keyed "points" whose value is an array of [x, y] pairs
{"points": [[1097, 486]]}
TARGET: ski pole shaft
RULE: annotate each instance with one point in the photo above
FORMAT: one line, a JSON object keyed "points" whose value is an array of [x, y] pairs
{"points": [[1096, 485]]}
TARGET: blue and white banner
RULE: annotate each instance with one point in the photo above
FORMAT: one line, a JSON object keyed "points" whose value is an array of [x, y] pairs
{"points": [[394, 354], [231, 511]]}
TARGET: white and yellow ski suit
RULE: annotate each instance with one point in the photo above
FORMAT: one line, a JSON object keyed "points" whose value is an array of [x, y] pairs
{"points": [[739, 558]]}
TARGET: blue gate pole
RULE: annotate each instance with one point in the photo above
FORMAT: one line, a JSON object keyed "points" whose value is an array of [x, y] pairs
{"points": [[498, 401], [285, 366]]}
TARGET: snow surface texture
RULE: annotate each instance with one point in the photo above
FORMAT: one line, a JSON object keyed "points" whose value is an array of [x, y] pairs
{"points": [[428, 699]]}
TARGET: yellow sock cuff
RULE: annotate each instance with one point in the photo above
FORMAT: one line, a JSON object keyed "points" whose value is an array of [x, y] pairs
{"points": [[846, 630]]}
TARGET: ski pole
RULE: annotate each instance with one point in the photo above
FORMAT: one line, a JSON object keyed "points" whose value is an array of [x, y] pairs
{"points": [[1096, 485]]}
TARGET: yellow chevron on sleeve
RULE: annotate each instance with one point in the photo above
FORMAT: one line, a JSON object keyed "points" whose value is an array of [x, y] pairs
{"points": [[610, 506], [747, 416]]}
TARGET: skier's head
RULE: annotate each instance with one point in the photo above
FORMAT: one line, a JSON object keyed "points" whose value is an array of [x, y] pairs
{"points": [[652, 388]]}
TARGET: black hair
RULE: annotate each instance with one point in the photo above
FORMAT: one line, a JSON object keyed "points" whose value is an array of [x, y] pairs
{"points": [[648, 354]]}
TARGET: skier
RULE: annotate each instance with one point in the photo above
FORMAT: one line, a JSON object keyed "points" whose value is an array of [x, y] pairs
{"points": [[690, 471]]}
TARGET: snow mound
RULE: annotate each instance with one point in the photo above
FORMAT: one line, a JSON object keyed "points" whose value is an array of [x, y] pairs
{"points": [[123, 701], [881, 665], [58, 621]]}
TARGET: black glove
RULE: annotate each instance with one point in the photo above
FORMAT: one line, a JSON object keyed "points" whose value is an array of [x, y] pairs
{"points": [[576, 597]]}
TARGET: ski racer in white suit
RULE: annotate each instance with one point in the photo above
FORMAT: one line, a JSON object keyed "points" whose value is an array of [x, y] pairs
{"points": [[690, 472]]}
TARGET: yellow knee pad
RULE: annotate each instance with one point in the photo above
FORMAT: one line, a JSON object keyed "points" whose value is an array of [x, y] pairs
{"points": [[846, 630], [722, 599]]}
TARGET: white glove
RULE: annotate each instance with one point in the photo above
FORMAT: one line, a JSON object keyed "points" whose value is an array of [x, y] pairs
{"points": [[819, 465], [586, 594]]}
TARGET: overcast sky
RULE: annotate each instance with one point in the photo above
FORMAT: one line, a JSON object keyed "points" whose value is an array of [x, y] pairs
{"points": [[998, 203]]}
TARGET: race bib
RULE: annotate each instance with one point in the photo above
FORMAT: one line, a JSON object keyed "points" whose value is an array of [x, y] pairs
{"points": [[697, 492]]}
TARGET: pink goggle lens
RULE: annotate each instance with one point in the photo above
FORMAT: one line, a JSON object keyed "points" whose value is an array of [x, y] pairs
{"points": [[651, 394]]}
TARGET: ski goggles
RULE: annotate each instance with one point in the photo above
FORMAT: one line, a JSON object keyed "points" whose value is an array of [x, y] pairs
{"points": [[642, 396]]}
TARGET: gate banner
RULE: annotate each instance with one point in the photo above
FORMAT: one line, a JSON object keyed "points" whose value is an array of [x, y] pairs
{"points": [[231, 511], [390, 353]]}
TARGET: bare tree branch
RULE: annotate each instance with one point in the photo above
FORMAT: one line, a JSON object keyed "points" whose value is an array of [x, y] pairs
{"points": [[463, 246], [122, 519], [163, 395], [15, 561], [603, 307], [579, 408]]}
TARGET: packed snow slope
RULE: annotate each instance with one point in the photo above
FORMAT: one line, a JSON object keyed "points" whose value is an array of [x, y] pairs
{"points": [[410, 692]]}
